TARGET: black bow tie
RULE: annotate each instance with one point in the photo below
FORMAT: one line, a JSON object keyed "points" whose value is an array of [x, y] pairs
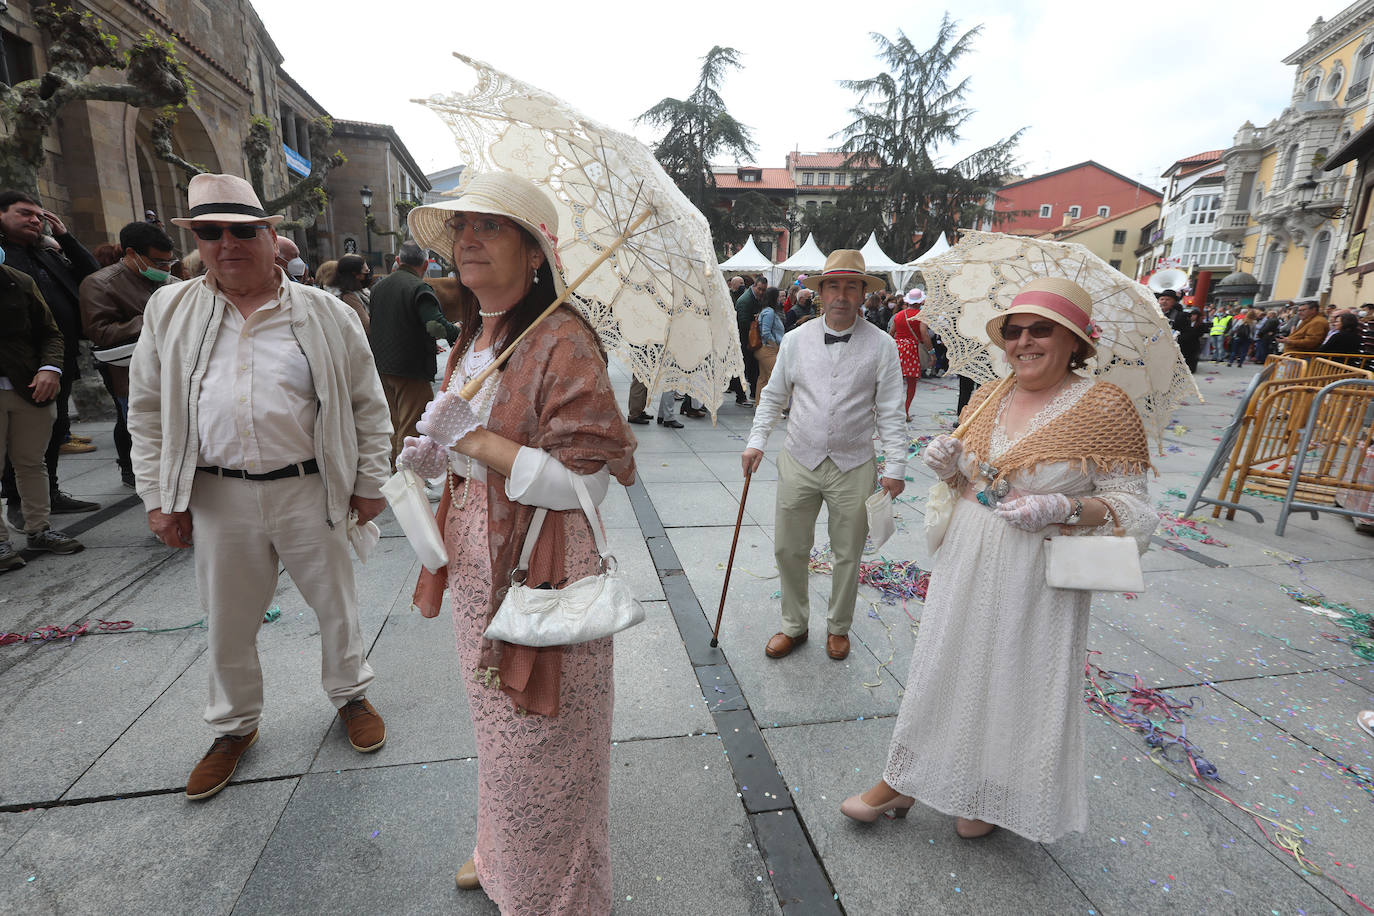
{"points": [[837, 338]]}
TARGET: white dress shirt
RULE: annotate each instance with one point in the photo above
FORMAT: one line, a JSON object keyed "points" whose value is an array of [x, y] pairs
{"points": [[256, 410]]}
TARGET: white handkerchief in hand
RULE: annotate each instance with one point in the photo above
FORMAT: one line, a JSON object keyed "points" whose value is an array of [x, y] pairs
{"points": [[363, 537], [881, 524]]}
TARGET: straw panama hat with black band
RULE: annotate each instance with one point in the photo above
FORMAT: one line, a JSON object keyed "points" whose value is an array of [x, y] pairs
{"points": [[499, 194], [844, 263], [1062, 301], [223, 199]]}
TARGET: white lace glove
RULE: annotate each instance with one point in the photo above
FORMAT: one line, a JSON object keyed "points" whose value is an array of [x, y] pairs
{"points": [[424, 456], [447, 419], [1034, 510], [942, 455]]}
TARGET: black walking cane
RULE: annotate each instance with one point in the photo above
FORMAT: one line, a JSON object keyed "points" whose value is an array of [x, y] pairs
{"points": [[739, 519]]}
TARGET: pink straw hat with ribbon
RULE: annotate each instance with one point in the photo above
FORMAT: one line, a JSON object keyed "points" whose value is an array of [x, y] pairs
{"points": [[1062, 301]]}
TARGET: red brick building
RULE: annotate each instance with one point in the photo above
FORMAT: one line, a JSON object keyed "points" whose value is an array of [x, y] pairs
{"points": [[1078, 191]]}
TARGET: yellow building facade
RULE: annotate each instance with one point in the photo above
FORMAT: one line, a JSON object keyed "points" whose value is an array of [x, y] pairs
{"points": [[1281, 210], [1113, 238]]}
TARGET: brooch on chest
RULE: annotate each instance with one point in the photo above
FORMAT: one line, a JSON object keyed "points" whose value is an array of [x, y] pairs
{"points": [[995, 487]]}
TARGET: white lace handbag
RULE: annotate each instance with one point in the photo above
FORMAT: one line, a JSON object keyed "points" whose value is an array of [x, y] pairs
{"points": [[1099, 563], [588, 609]]}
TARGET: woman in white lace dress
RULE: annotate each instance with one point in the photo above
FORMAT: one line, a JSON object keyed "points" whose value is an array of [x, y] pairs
{"points": [[990, 728]]}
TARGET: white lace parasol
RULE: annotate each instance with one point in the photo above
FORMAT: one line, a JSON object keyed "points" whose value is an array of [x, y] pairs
{"points": [[977, 278], [658, 303]]}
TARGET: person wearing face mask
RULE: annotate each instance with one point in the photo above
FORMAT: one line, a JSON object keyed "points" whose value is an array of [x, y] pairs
{"points": [[112, 303]]}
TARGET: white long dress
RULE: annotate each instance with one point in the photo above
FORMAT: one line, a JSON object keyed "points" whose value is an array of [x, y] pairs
{"points": [[991, 723]]}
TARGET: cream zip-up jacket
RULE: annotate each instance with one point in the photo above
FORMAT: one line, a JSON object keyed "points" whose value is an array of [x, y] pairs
{"points": [[352, 423]]}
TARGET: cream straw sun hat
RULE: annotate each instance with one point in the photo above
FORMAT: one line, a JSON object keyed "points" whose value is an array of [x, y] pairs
{"points": [[499, 194], [1061, 301], [223, 199]]}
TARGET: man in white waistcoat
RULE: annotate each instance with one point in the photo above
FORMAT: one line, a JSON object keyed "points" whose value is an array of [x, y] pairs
{"points": [[844, 380]]}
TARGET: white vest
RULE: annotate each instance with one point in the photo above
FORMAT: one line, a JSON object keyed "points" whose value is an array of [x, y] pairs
{"points": [[834, 401]]}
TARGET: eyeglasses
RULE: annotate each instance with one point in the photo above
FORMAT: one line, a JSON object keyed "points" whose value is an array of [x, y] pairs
{"points": [[241, 231], [160, 263], [1040, 330], [484, 230]]}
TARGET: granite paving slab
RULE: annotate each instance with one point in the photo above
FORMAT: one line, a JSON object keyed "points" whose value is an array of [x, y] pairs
{"points": [[408, 828], [160, 854], [912, 865], [656, 690], [67, 703]]}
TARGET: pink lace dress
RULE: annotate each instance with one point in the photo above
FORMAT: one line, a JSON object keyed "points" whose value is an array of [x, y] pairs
{"points": [[543, 801]]}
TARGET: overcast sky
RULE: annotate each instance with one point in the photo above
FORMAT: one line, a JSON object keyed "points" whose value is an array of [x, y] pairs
{"points": [[1133, 86]]}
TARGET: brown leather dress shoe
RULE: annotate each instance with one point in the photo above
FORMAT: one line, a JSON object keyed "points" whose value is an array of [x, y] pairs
{"points": [[366, 730], [218, 765], [782, 645], [837, 646]]}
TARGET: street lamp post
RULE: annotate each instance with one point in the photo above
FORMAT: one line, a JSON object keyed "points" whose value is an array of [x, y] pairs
{"points": [[366, 195]]}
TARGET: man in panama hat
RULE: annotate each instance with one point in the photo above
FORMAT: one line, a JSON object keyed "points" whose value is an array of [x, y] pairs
{"points": [[844, 380], [260, 429]]}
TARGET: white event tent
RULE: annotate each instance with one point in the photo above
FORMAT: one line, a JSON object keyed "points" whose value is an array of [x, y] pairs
{"points": [[808, 257], [876, 261], [911, 268], [749, 260]]}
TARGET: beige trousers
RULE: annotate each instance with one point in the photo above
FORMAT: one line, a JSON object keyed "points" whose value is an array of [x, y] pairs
{"points": [[24, 433], [242, 528], [767, 355], [800, 494], [407, 398]]}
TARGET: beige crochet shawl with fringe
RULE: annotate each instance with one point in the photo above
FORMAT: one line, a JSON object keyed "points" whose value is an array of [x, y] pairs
{"points": [[1101, 431]]}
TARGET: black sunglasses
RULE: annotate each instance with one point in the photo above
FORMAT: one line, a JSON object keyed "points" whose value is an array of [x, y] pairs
{"points": [[242, 231], [1040, 330]]}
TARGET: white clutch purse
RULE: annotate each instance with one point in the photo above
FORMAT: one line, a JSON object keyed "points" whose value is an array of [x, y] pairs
{"points": [[405, 492], [881, 524], [1099, 563], [588, 609]]}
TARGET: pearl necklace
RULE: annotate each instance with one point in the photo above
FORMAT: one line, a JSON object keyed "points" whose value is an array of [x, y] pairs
{"points": [[494, 314], [479, 402]]}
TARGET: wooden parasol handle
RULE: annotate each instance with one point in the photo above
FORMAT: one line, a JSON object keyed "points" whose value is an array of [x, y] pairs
{"points": [[996, 393], [469, 391]]}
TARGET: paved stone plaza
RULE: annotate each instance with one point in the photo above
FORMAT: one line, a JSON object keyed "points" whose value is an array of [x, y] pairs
{"points": [[728, 768]]}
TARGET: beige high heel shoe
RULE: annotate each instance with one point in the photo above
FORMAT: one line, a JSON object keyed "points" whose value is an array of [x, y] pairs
{"points": [[854, 806], [972, 829], [467, 877]]}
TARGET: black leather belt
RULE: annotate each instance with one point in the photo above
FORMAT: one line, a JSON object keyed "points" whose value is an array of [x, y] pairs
{"points": [[291, 470]]}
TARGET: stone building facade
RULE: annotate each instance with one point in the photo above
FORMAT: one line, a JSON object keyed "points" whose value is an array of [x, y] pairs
{"points": [[379, 161], [101, 171], [1280, 208]]}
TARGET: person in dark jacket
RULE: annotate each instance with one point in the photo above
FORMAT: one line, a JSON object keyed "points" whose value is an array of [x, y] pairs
{"points": [[1346, 338], [112, 303], [31, 358], [1174, 313], [1190, 339], [58, 277], [406, 321]]}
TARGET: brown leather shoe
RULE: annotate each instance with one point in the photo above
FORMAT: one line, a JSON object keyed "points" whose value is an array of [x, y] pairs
{"points": [[467, 877], [366, 730], [218, 765], [781, 645], [837, 646]]}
